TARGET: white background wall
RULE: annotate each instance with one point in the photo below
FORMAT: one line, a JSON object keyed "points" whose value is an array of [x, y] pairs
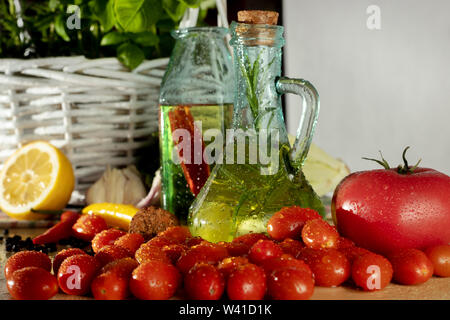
{"points": [[379, 89]]}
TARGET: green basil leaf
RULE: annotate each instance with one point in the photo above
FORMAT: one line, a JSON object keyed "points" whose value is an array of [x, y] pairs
{"points": [[114, 37], [191, 3], [174, 8], [146, 39], [104, 11], [166, 25], [137, 15], [130, 55], [60, 27]]}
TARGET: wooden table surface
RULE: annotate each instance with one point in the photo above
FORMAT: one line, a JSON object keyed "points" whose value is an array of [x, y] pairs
{"points": [[434, 289]]}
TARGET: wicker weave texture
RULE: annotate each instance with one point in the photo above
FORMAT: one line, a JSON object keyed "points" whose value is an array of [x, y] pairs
{"points": [[96, 111]]}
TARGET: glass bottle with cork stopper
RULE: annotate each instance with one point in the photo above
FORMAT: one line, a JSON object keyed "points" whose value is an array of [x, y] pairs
{"points": [[261, 172]]}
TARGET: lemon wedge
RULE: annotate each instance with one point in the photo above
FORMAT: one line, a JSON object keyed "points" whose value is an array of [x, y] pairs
{"points": [[37, 176]]}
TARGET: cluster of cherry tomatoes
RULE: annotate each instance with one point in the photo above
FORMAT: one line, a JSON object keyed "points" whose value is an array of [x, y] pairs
{"points": [[300, 251]]}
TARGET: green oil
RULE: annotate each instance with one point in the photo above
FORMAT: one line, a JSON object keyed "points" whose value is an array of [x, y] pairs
{"points": [[176, 194], [238, 199]]}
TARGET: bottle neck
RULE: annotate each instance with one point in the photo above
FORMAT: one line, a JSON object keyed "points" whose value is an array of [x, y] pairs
{"points": [[257, 65]]}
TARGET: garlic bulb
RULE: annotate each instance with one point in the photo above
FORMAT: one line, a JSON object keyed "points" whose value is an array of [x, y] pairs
{"points": [[123, 186], [154, 195]]}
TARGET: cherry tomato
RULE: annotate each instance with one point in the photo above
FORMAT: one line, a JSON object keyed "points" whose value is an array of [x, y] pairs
{"points": [[329, 266], [247, 282], [292, 247], [174, 251], [32, 283], [371, 272], [228, 265], [110, 286], [286, 261], [262, 250], [149, 252], [411, 266], [204, 282], [87, 226], [63, 255], [113, 281], [236, 249], [76, 274], [211, 254], [106, 237], [160, 241], [130, 241], [344, 243], [155, 280], [110, 253], [24, 259], [353, 252], [250, 239], [190, 242], [289, 221], [123, 267], [318, 234], [178, 234], [440, 257], [290, 284]]}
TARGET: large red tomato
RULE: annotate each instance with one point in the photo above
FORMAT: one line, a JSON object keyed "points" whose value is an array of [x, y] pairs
{"points": [[391, 209]]}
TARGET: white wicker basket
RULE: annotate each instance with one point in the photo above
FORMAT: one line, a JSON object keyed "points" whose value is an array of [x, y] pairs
{"points": [[96, 111]]}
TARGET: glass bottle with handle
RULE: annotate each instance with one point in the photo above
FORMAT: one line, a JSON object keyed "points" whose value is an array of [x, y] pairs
{"points": [[196, 95], [260, 171]]}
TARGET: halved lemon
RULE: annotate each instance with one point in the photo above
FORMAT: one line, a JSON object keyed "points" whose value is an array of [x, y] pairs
{"points": [[37, 176]]}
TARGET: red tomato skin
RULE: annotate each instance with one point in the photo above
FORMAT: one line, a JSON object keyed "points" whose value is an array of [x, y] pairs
{"points": [[113, 281], [329, 266], [111, 253], [289, 221], [204, 282], [292, 247], [63, 255], [193, 241], [286, 261], [264, 249], [174, 251], [24, 259], [110, 286], [76, 274], [32, 283], [228, 265], [384, 211], [363, 273], [149, 252], [211, 254], [354, 252], [440, 257], [87, 226], [155, 280], [247, 282], [178, 234], [106, 237], [236, 249], [411, 266], [250, 239], [130, 241], [290, 284], [160, 241], [318, 234]]}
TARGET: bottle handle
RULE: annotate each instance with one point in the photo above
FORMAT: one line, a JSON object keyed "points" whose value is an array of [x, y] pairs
{"points": [[308, 119]]}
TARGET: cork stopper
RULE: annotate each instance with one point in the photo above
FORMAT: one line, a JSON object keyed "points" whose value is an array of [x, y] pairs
{"points": [[258, 17], [257, 27]]}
